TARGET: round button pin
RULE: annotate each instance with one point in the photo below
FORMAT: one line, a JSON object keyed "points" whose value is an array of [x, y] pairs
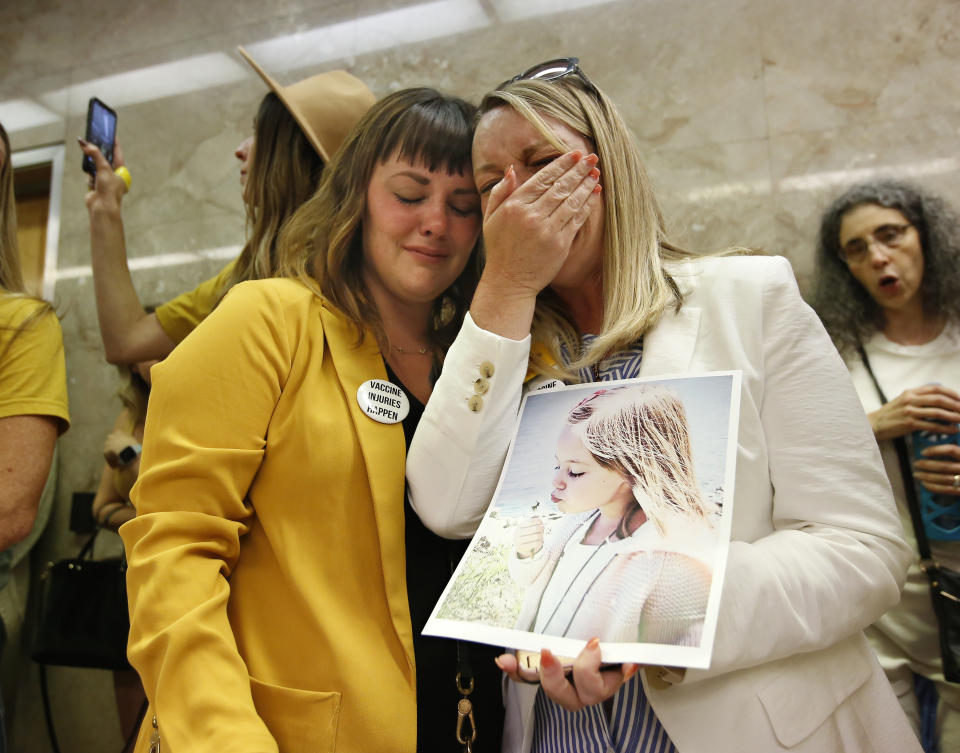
{"points": [[383, 401]]}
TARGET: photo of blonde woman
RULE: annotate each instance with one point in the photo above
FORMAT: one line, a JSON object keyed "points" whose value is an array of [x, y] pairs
{"points": [[631, 559], [610, 524]]}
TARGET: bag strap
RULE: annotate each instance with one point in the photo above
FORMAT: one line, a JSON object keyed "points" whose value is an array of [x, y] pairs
{"points": [[86, 551], [909, 483], [47, 712]]}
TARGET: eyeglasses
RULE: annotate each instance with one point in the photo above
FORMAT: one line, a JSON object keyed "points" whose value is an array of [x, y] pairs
{"points": [[890, 236], [551, 71]]}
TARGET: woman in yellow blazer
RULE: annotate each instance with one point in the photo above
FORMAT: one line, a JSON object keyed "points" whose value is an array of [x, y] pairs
{"points": [[268, 561]]}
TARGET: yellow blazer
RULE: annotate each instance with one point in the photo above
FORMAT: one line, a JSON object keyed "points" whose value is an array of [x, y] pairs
{"points": [[267, 576]]}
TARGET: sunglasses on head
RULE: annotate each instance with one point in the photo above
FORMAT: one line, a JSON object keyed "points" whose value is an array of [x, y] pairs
{"points": [[552, 70]]}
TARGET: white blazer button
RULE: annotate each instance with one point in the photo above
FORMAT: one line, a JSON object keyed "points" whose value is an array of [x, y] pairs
{"points": [[481, 386], [475, 403], [486, 369]]}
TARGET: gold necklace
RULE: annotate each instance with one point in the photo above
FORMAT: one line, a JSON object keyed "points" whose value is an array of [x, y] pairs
{"points": [[420, 351]]}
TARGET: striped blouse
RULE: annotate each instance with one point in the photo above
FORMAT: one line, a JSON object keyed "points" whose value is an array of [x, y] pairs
{"points": [[632, 726]]}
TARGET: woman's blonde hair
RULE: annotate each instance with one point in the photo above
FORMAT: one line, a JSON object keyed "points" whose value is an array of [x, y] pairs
{"points": [[11, 277], [322, 244], [636, 288], [284, 173], [641, 433]]}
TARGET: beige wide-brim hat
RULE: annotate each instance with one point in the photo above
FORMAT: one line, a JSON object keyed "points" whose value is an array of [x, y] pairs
{"points": [[326, 106]]}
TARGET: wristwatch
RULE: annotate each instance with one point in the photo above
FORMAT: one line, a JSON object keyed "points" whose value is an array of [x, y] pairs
{"points": [[123, 458], [129, 453]]}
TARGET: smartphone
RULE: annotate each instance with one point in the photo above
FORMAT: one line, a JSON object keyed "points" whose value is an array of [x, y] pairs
{"points": [[101, 130]]}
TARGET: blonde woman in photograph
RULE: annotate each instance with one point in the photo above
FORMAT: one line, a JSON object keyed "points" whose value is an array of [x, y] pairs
{"points": [[579, 264], [631, 559]]}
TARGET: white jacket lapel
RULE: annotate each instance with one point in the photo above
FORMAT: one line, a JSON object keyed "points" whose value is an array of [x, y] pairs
{"points": [[668, 347]]}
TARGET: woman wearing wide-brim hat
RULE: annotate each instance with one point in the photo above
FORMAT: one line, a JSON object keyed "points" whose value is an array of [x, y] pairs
{"points": [[297, 129]]}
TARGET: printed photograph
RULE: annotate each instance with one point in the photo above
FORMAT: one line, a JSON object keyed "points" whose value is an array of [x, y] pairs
{"points": [[611, 519]]}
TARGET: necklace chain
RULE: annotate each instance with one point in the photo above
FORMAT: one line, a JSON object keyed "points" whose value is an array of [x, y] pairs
{"points": [[420, 350]]}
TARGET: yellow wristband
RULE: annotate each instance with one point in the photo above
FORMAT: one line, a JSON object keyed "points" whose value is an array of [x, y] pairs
{"points": [[123, 173]]}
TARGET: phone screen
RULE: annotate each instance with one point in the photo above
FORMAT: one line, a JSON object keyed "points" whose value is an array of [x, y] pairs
{"points": [[101, 130]]}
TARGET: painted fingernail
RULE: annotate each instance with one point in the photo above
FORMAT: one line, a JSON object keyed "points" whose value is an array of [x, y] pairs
{"points": [[593, 644], [592, 159], [577, 155], [630, 671], [595, 174], [597, 188], [547, 659], [510, 172]]}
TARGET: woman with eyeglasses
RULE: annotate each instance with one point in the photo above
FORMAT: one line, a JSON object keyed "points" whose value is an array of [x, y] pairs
{"points": [[582, 284], [888, 290]]}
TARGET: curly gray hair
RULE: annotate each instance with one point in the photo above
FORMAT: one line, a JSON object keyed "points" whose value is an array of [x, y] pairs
{"points": [[848, 311]]}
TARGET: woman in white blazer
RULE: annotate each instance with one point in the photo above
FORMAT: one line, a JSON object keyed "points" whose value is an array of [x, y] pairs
{"points": [[587, 275]]}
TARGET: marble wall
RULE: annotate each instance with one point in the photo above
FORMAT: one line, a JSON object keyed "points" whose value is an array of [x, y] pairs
{"points": [[751, 114]]}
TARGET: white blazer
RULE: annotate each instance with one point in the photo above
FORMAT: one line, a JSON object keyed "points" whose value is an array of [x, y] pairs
{"points": [[817, 549]]}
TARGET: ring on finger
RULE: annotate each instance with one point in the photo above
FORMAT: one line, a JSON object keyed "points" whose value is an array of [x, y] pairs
{"points": [[956, 481]]}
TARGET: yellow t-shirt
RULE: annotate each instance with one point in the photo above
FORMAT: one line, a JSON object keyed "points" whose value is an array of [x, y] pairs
{"points": [[179, 317], [33, 378]]}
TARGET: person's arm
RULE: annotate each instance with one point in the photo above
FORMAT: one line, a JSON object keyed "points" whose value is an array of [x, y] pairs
{"points": [[129, 333], [929, 407], [939, 469], [26, 451], [529, 557], [110, 508], [458, 450], [932, 408], [836, 558], [33, 411], [210, 409]]}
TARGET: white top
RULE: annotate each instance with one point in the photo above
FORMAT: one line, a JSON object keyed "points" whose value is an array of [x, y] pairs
{"points": [[553, 615], [816, 550], [907, 634]]}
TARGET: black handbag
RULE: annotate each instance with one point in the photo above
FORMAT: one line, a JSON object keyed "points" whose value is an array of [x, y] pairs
{"points": [[83, 613], [944, 583]]}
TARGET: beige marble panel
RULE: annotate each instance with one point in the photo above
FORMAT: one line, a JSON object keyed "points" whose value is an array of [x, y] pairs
{"points": [[717, 196], [810, 169], [833, 65]]}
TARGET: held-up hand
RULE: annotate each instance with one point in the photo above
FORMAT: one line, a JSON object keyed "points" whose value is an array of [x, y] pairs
{"points": [[930, 407], [528, 538], [587, 683], [528, 229], [940, 469], [106, 188]]}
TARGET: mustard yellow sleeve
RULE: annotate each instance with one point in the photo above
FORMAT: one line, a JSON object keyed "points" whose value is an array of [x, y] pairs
{"points": [[33, 378], [179, 317], [210, 409]]}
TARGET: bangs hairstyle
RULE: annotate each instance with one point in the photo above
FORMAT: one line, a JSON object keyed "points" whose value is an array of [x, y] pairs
{"points": [[847, 310], [641, 434], [322, 244], [636, 287], [284, 173]]}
